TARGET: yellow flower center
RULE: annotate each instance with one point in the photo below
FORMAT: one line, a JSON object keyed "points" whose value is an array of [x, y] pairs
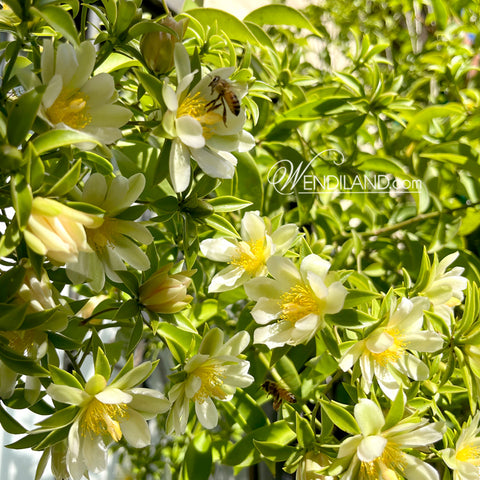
{"points": [[251, 256], [99, 238], [385, 466], [453, 302], [212, 377], [299, 302], [470, 454], [196, 106], [70, 108], [101, 418], [23, 342], [392, 353]]}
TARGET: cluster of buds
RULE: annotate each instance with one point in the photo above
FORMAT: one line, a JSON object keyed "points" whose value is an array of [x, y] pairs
{"points": [[166, 293], [158, 47]]}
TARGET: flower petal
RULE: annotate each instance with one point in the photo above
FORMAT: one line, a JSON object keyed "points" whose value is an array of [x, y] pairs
{"points": [[215, 164], [179, 166], [218, 249], [67, 394], [207, 413], [370, 448], [112, 395], [190, 132], [369, 417], [135, 430]]}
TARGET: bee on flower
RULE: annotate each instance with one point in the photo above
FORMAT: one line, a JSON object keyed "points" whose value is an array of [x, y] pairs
{"points": [[378, 453], [214, 372], [295, 300], [387, 350], [107, 412], [198, 128], [113, 243], [464, 459], [247, 257], [75, 100]]}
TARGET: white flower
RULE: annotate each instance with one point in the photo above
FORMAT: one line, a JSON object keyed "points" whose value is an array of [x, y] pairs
{"points": [[73, 100], [376, 454], [113, 244], [296, 300], [464, 460], [310, 466], [198, 127], [247, 257], [445, 289], [384, 353], [108, 412], [213, 373]]}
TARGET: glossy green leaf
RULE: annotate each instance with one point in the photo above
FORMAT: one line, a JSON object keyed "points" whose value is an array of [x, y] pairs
{"points": [[67, 182], [60, 20], [61, 138], [340, 417]]}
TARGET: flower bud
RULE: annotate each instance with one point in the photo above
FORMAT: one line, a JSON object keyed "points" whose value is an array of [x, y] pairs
{"points": [[58, 231], [59, 461], [310, 466], [157, 47], [38, 292], [165, 293]]}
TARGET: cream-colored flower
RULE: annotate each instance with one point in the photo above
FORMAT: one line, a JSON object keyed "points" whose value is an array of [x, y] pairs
{"points": [[108, 413], [75, 100], [445, 289], [113, 243], [201, 125], [37, 292], [296, 300], [385, 352], [58, 231], [248, 257], [166, 293], [213, 373], [464, 460], [377, 454]]}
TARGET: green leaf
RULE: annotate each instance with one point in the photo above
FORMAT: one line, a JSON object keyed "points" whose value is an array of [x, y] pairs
{"points": [[9, 424], [61, 138], [349, 318], [102, 365], [62, 342], [273, 451], [198, 457], [61, 377], [67, 182], [305, 434], [63, 417], [222, 225], [136, 335], [236, 29], [22, 200], [12, 316], [358, 297], [42, 464], [228, 204], [244, 453], [20, 364], [147, 26], [22, 115], [340, 417], [10, 282], [395, 413], [249, 180], [152, 85], [10, 239], [60, 20], [440, 10], [280, 15]]}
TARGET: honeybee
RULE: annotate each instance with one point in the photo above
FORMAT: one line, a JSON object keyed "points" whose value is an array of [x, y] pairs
{"points": [[226, 96], [278, 393]]}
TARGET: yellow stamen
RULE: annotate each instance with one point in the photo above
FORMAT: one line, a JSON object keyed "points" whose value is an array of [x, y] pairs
{"points": [[394, 352], [212, 377], [99, 238], [453, 302], [196, 106], [70, 108], [101, 418], [251, 256], [469, 454], [391, 460], [299, 302]]}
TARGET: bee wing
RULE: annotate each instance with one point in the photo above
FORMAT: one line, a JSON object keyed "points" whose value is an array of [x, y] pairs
{"points": [[239, 89]]}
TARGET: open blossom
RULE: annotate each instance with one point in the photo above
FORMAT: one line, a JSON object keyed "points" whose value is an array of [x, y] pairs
{"points": [[166, 293], [311, 466], [464, 460], [107, 413], [387, 349], [113, 244], [377, 454], [201, 126], [213, 373], [75, 100], [58, 231], [247, 257], [445, 289], [295, 300]]}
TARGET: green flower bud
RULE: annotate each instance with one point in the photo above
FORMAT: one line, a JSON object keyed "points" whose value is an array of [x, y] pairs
{"points": [[157, 47]]}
